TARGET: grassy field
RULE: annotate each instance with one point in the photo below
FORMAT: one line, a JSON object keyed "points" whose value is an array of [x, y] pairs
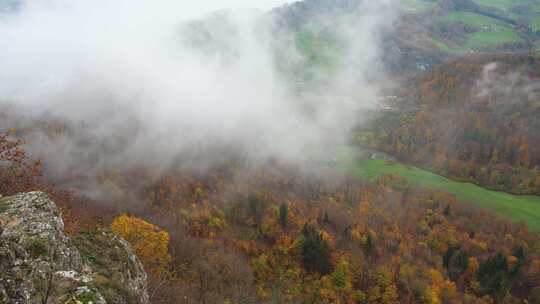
{"points": [[534, 18], [517, 208], [534, 25], [491, 32], [473, 19], [486, 39], [531, 15], [500, 4], [316, 53]]}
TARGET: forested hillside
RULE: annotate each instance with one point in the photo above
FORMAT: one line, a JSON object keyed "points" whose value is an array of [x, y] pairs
{"points": [[475, 119], [272, 233], [226, 148]]}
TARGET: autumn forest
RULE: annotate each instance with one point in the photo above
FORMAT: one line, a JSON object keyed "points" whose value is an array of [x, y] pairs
{"points": [[213, 146]]}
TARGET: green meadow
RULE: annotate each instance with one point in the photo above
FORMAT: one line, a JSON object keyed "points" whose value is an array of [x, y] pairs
{"points": [[491, 32], [517, 208], [503, 5]]}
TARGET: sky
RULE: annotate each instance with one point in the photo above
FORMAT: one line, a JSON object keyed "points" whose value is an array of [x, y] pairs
{"points": [[262, 4]]}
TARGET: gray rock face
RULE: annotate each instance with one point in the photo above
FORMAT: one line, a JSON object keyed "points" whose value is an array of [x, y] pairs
{"points": [[40, 264]]}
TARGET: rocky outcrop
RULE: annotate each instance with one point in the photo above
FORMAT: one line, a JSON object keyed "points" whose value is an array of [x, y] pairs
{"points": [[40, 264]]}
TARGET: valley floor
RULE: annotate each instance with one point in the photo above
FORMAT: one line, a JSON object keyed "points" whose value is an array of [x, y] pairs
{"points": [[518, 208]]}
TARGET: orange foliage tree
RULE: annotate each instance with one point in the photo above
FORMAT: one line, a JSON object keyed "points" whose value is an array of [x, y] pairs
{"points": [[17, 172]]}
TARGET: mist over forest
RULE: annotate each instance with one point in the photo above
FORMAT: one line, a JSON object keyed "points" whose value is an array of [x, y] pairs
{"points": [[317, 151]]}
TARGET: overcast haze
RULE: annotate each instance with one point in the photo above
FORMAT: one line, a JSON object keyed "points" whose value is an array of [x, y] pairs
{"points": [[113, 63]]}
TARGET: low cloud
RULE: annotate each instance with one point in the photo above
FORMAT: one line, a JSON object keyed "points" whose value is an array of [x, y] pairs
{"points": [[135, 89], [504, 88]]}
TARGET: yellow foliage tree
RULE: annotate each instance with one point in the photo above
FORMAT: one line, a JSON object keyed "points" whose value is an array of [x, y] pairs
{"points": [[149, 242], [390, 295], [342, 277], [440, 290]]}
